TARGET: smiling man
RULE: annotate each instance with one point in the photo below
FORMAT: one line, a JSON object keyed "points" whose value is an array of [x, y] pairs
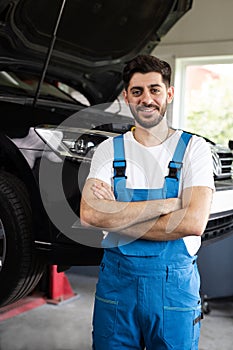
{"points": [[148, 100], [151, 190]]}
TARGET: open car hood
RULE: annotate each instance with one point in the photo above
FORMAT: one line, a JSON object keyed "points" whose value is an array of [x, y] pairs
{"points": [[90, 40]]}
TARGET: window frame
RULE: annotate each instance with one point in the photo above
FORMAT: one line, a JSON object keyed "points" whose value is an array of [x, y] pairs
{"points": [[178, 113]]}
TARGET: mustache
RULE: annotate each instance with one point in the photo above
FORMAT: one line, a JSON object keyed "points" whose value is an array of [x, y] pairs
{"points": [[151, 105]]}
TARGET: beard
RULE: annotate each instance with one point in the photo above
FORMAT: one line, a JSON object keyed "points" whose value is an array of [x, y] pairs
{"points": [[150, 120]]}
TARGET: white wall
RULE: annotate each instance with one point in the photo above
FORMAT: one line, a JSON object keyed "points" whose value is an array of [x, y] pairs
{"points": [[207, 29]]}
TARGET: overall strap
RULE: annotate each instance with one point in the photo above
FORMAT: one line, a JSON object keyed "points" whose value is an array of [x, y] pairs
{"points": [[172, 180], [119, 163]]}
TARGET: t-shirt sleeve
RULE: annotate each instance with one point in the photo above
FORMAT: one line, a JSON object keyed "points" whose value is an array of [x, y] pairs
{"points": [[198, 164], [101, 165]]}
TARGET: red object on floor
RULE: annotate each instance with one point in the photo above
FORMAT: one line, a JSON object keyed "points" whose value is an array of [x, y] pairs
{"points": [[59, 288], [23, 305]]}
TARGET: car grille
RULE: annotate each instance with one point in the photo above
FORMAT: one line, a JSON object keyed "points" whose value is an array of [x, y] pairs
{"points": [[226, 162], [218, 226], [222, 162]]}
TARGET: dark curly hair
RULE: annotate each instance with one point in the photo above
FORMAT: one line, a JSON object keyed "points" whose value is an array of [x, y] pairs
{"points": [[145, 64]]}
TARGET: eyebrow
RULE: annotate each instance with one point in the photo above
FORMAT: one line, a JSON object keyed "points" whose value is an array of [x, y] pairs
{"points": [[141, 88]]}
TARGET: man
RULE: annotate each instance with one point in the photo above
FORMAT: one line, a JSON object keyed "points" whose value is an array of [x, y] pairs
{"points": [[151, 190]]}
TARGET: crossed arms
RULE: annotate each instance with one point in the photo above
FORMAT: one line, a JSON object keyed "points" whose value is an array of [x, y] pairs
{"points": [[158, 220]]}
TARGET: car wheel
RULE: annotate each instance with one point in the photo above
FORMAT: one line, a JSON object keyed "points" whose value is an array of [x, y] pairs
{"points": [[20, 266]]}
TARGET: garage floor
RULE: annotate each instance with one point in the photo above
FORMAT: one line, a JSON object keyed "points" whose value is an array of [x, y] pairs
{"points": [[67, 326]]}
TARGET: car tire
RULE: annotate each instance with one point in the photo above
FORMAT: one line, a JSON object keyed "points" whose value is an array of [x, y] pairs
{"points": [[20, 267]]}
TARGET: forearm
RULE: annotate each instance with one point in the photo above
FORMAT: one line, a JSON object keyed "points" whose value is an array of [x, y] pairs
{"points": [[167, 227], [117, 216], [152, 220], [190, 220]]}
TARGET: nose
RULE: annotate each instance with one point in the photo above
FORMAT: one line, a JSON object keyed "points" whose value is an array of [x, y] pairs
{"points": [[146, 98]]}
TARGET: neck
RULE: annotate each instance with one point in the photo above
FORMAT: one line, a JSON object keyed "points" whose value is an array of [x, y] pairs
{"points": [[153, 136]]}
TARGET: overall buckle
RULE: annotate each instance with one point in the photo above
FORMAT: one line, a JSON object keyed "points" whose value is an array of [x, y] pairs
{"points": [[174, 167], [119, 167]]}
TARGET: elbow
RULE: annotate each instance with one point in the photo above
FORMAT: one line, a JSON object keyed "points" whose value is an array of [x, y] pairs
{"points": [[197, 228], [197, 232], [87, 221], [84, 221], [89, 217], [201, 229], [195, 222], [85, 217]]}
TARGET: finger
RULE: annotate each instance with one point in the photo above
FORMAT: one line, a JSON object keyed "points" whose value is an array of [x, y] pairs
{"points": [[103, 195], [108, 189], [103, 190], [98, 195]]}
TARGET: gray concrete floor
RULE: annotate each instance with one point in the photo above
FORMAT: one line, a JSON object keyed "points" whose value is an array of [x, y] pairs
{"points": [[67, 326]]}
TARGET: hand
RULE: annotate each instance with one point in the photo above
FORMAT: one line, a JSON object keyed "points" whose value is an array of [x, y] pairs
{"points": [[103, 191]]}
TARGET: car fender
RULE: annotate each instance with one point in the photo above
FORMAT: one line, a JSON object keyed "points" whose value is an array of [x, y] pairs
{"points": [[13, 161]]}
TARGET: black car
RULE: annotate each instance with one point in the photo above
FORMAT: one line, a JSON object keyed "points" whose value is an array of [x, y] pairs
{"points": [[59, 60]]}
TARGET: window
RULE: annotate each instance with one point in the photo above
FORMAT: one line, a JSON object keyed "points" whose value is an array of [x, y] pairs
{"points": [[203, 101]]}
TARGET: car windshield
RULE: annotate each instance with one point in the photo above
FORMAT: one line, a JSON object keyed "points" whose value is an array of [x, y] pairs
{"points": [[26, 85]]}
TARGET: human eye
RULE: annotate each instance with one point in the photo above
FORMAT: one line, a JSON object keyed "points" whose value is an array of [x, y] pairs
{"points": [[155, 91], [136, 92]]}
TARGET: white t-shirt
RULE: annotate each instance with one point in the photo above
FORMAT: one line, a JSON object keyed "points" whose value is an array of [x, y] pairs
{"points": [[147, 167]]}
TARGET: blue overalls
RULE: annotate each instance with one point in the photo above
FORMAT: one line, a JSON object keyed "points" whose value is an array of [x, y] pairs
{"points": [[147, 295]]}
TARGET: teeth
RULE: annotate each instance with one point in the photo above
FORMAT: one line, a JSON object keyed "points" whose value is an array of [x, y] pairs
{"points": [[147, 109]]}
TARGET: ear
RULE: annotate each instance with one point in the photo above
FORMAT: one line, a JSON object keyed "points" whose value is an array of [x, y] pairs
{"points": [[125, 96], [170, 94]]}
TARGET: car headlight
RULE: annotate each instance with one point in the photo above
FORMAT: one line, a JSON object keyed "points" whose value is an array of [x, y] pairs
{"points": [[71, 142]]}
